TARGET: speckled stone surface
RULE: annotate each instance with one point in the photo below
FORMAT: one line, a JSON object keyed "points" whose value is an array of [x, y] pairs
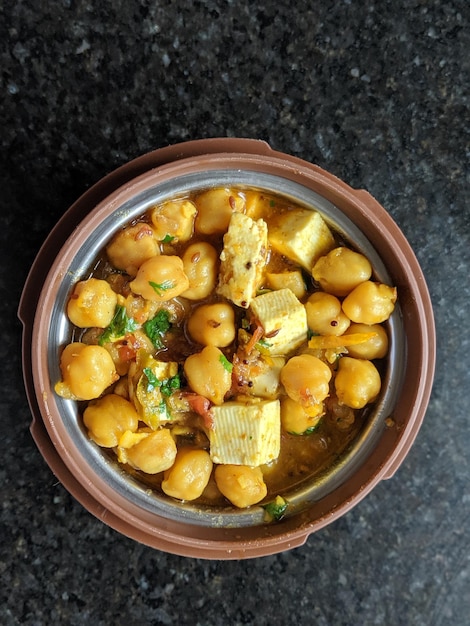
{"points": [[377, 93]]}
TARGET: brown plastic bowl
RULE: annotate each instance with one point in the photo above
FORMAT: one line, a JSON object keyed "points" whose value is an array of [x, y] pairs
{"points": [[108, 492]]}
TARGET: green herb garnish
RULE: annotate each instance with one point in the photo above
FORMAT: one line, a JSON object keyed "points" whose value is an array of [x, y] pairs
{"points": [[157, 327], [152, 381], [311, 429], [170, 384], [308, 431], [163, 409], [276, 509], [168, 238], [166, 386], [120, 325], [160, 288], [226, 363]]}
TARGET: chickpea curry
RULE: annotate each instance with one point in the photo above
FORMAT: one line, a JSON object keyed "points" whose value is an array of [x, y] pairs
{"points": [[226, 347]]}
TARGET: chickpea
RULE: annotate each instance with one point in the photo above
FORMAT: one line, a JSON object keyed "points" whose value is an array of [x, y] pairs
{"points": [[324, 314], [161, 278], [374, 348], [131, 246], [174, 219], [241, 484], [108, 418], [213, 324], [212, 493], [208, 375], [357, 382], [92, 303], [292, 280], [215, 208], [152, 454], [342, 269], [306, 379], [296, 419], [189, 475], [370, 303], [139, 309], [87, 370], [200, 261]]}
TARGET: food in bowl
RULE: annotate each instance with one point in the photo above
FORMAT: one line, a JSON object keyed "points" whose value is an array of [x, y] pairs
{"points": [[227, 345]]}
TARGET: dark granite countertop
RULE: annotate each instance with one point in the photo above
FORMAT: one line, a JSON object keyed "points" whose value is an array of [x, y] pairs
{"points": [[375, 92]]}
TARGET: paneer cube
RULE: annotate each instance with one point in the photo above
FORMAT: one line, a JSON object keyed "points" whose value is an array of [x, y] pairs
{"points": [[258, 204], [301, 235], [292, 280], [243, 259], [266, 383], [246, 433], [284, 320]]}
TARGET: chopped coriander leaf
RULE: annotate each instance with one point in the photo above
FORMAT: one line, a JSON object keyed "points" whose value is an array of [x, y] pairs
{"points": [[153, 381], [167, 386], [163, 409], [159, 288], [168, 238], [226, 363], [120, 325], [170, 384], [157, 327], [276, 509], [309, 430], [264, 344]]}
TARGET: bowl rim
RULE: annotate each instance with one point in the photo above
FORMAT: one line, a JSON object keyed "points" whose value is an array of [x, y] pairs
{"points": [[284, 535]]}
